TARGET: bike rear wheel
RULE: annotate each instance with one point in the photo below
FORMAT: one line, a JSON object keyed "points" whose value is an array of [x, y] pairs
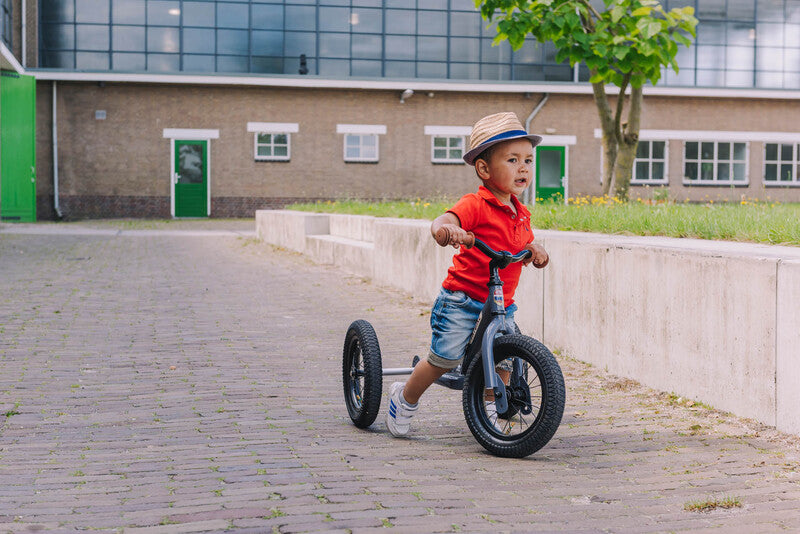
{"points": [[362, 373], [536, 396]]}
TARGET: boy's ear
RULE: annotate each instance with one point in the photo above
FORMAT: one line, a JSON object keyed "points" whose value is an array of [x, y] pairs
{"points": [[482, 169]]}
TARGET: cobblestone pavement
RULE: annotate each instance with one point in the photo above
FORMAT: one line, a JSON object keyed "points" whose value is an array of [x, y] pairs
{"points": [[156, 380]]}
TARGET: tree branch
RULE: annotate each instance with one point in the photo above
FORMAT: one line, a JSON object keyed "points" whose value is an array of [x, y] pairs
{"points": [[620, 104], [591, 8], [601, 100]]}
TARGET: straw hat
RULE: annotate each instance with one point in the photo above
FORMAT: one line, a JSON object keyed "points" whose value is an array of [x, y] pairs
{"points": [[495, 129]]}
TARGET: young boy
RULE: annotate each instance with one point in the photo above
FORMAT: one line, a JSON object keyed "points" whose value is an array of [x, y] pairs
{"points": [[502, 153]]}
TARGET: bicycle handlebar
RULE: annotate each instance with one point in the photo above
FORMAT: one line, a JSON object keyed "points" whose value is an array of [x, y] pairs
{"points": [[442, 237]]}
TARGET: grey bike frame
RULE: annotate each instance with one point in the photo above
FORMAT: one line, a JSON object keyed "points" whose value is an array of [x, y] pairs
{"points": [[491, 323], [497, 311]]}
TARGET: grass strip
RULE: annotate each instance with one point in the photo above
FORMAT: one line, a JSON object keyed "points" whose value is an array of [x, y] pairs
{"points": [[746, 221]]}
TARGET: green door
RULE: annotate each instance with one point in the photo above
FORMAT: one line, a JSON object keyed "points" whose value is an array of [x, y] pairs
{"points": [[550, 175], [191, 178], [17, 147]]}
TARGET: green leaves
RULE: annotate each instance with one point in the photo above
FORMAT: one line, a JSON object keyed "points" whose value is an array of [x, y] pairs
{"points": [[598, 77], [636, 37], [682, 39], [648, 27]]}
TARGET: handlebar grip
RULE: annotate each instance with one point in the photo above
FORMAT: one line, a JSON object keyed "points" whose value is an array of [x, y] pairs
{"points": [[443, 238]]}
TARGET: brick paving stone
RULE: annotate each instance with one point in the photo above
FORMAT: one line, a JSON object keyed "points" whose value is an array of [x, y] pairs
{"points": [[195, 526], [159, 381]]}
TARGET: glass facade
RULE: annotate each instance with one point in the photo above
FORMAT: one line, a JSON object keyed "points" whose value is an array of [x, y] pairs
{"points": [[5, 23], [740, 43], [336, 38]]}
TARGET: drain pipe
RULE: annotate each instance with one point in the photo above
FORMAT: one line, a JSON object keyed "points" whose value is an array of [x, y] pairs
{"points": [[536, 111], [527, 194], [56, 207], [23, 31]]}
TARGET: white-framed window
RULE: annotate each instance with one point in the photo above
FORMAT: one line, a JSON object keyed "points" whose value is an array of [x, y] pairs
{"points": [[361, 142], [272, 146], [714, 163], [650, 163], [447, 149], [361, 147], [272, 140], [782, 164], [448, 143]]}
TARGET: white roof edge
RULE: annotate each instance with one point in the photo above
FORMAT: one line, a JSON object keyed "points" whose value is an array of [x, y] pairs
{"points": [[8, 57], [723, 92], [315, 82]]}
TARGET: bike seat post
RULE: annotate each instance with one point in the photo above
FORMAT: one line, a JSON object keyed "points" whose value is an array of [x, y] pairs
{"points": [[496, 288]]}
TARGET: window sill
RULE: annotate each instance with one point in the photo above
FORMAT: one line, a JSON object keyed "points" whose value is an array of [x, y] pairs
{"points": [[778, 185], [448, 162], [273, 160], [641, 183], [715, 184], [372, 161]]}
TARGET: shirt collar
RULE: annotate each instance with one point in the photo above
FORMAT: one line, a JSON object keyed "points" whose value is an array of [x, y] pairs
{"points": [[489, 197]]}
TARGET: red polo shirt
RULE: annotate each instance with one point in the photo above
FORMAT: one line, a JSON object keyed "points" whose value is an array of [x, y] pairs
{"points": [[498, 226]]}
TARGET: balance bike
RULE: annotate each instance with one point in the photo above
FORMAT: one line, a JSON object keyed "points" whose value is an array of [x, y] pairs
{"points": [[512, 387]]}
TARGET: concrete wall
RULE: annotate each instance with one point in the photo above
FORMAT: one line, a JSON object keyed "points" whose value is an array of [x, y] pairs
{"points": [[788, 347], [712, 321], [697, 321]]}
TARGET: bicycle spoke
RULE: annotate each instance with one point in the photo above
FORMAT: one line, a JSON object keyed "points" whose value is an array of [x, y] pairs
{"points": [[357, 374]]}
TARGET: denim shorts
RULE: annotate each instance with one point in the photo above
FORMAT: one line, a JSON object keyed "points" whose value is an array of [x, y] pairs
{"points": [[453, 320]]}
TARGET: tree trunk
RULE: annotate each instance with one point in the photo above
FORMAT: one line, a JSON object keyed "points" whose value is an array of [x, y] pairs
{"points": [[609, 162], [624, 170], [628, 145], [609, 135]]}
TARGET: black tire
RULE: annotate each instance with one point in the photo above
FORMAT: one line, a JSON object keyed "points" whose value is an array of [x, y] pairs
{"points": [[362, 373], [533, 417]]}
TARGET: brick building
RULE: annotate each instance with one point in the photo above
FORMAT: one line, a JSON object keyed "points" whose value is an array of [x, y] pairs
{"points": [[159, 108]]}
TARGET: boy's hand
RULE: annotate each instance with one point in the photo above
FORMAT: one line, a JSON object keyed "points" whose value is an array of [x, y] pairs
{"points": [[539, 256], [458, 236]]}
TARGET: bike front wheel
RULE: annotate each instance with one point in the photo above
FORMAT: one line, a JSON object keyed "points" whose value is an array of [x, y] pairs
{"points": [[535, 392], [362, 373]]}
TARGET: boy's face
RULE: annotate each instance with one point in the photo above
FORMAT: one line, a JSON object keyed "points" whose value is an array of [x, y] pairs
{"points": [[509, 170]]}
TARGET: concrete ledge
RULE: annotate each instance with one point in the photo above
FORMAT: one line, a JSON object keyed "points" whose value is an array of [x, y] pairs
{"points": [[699, 321], [289, 229], [712, 321], [788, 347], [406, 260], [358, 227], [355, 257]]}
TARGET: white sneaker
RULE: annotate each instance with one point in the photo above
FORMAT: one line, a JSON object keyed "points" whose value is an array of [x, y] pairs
{"points": [[399, 414], [491, 411]]}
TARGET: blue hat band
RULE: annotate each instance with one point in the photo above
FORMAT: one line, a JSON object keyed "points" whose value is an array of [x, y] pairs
{"points": [[504, 135]]}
